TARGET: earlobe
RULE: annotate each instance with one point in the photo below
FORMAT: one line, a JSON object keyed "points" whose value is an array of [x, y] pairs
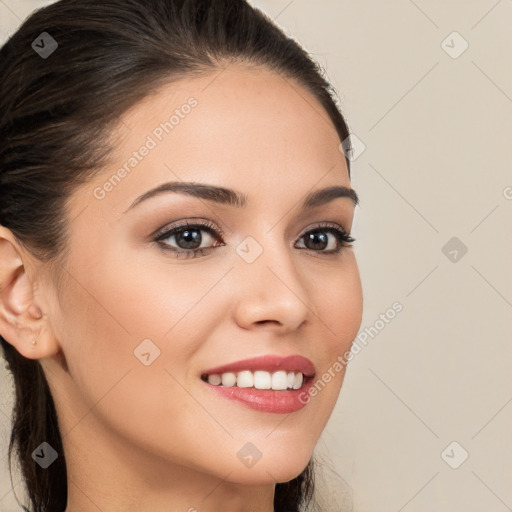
{"points": [[21, 319]]}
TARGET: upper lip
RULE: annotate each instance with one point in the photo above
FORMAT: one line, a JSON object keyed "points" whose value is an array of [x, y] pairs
{"points": [[269, 363]]}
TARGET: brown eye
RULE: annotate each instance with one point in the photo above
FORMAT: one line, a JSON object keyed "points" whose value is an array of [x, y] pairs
{"points": [[188, 238], [317, 239]]}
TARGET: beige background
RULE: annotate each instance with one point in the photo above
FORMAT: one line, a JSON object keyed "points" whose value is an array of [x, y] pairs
{"points": [[437, 165]]}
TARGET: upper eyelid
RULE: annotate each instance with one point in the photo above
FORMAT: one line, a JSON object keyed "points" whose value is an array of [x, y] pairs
{"points": [[187, 223], [331, 209], [217, 231]]}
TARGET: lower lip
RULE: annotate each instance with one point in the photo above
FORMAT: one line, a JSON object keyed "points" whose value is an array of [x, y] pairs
{"points": [[267, 400]]}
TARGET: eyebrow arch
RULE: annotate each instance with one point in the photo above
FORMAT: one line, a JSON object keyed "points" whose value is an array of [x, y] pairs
{"points": [[237, 199]]}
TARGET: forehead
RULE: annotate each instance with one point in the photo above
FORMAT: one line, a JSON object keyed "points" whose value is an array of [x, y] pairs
{"points": [[248, 128]]}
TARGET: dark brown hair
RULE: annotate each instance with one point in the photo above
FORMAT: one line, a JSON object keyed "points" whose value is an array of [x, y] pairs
{"points": [[56, 114]]}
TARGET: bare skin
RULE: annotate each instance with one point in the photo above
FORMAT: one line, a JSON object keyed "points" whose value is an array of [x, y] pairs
{"points": [[155, 437]]}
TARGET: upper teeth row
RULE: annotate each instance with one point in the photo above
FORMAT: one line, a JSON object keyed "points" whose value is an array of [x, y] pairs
{"points": [[259, 379]]}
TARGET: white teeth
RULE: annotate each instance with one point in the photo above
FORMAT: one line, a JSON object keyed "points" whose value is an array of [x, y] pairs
{"points": [[262, 380], [245, 379], [279, 380], [228, 379], [259, 379], [297, 383], [214, 379]]}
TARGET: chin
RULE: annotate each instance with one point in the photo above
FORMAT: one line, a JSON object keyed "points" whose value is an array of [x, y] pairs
{"points": [[276, 468]]}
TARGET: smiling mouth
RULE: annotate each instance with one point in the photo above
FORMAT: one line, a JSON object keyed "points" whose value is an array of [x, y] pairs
{"points": [[259, 379]]}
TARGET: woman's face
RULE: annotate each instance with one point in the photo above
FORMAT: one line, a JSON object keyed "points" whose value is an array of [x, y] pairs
{"points": [[139, 321]]}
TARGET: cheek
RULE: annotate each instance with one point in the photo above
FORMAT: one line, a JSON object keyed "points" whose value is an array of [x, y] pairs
{"points": [[148, 294], [106, 317], [340, 304], [336, 295], [116, 302]]}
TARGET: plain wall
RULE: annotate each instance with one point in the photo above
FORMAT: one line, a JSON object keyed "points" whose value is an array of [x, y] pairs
{"points": [[432, 384]]}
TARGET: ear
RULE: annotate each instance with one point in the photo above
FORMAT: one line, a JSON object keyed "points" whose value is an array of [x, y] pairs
{"points": [[23, 312]]}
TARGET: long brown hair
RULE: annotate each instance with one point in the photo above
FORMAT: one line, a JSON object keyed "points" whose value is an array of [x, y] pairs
{"points": [[57, 110]]}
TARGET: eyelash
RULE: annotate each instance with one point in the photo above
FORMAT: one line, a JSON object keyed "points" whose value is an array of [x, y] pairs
{"points": [[343, 238]]}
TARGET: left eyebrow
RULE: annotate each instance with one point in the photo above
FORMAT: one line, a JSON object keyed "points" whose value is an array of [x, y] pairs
{"points": [[237, 199]]}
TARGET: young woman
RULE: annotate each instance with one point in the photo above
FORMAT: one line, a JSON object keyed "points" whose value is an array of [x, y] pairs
{"points": [[178, 285]]}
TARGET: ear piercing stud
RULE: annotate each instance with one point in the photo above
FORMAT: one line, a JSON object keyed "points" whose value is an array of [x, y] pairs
{"points": [[34, 343]]}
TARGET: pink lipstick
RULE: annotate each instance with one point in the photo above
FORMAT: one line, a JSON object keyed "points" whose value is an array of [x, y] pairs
{"points": [[281, 401]]}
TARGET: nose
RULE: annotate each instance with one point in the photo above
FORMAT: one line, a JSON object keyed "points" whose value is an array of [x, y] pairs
{"points": [[270, 292]]}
